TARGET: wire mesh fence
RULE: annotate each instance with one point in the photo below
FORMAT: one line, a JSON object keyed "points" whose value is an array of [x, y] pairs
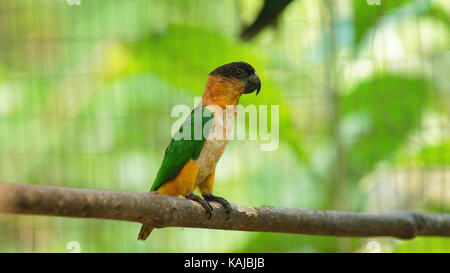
{"points": [[87, 88]]}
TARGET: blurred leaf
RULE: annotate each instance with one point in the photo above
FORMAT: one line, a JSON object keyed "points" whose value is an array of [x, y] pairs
{"points": [[124, 120], [435, 155], [288, 243], [391, 106], [438, 13], [424, 245], [367, 16], [182, 55]]}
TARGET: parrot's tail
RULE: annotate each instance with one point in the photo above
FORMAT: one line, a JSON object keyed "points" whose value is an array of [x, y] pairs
{"points": [[145, 232]]}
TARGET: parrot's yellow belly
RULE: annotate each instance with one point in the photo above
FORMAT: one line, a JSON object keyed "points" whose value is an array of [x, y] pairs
{"points": [[214, 145]]}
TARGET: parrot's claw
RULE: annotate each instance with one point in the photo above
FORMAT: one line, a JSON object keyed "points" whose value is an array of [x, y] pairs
{"points": [[225, 204], [208, 208]]}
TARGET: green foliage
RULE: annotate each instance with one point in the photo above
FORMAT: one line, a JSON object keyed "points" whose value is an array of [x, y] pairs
{"points": [[435, 155], [389, 108], [424, 245], [86, 93], [368, 16], [272, 242]]}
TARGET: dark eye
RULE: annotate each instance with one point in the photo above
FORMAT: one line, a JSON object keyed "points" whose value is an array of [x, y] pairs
{"points": [[238, 73]]}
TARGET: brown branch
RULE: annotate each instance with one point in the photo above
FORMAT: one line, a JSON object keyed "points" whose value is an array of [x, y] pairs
{"points": [[164, 211]]}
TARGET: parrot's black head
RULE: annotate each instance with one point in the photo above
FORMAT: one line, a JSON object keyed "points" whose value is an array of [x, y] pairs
{"points": [[241, 71]]}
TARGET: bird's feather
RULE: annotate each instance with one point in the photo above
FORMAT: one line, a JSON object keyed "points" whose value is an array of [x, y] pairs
{"points": [[181, 149]]}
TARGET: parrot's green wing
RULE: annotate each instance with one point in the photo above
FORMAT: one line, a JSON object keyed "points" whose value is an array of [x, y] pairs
{"points": [[185, 145]]}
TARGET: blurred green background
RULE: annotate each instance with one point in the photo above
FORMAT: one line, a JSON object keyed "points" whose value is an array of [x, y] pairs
{"points": [[86, 93]]}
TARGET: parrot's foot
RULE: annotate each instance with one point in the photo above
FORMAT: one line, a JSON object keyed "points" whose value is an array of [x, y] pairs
{"points": [[208, 208], [225, 204]]}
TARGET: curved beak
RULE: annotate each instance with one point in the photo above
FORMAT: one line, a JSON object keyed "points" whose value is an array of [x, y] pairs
{"points": [[253, 83]]}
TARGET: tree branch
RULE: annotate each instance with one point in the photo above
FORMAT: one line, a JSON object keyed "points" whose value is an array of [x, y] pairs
{"points": [[165, 211]]}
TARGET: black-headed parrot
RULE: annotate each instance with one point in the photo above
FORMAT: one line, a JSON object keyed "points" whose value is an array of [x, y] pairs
{"points": [[190, 162]]}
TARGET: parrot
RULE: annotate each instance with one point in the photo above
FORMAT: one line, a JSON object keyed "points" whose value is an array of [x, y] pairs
{"points": [[190, 163]]}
